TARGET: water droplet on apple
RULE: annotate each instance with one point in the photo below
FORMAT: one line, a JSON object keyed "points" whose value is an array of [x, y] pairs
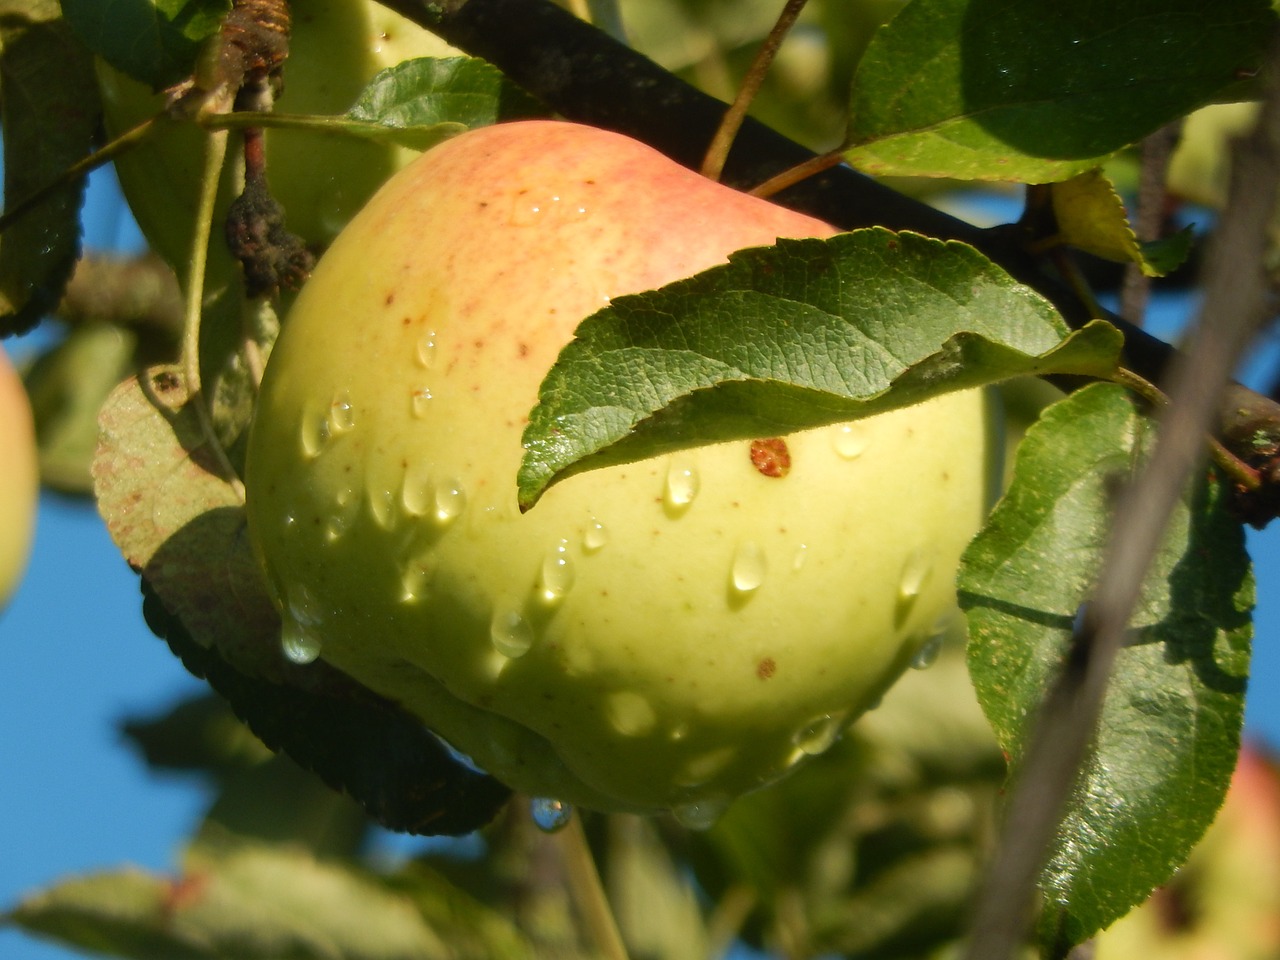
{"points": [[550, 815], [511, 634], [342, 415], [344, 512], [298, 643], [450, 500], [426, 352], [382, 506], [415, 575], [927, 655], [314, 434], [682, 484], [420, 402], [630, 713], [801, 555], [749, 567], [416, 492], [699, 814], [595, 537], [915, 573], [819, 735], [849, 440], [557, 575]]}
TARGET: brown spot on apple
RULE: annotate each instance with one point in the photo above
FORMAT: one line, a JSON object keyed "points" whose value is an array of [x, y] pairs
{"points": [[771, 456], [766, 668]]}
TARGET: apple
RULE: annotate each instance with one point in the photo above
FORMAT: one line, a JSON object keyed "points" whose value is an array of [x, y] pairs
{"points": [[1224, 904], [336, 48], [19, 478], [663, 635]]}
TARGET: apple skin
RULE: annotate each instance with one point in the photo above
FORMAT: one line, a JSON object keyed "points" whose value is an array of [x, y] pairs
{"points": [[19, 478], [1225, 902], [381, 493], [336, 48]]}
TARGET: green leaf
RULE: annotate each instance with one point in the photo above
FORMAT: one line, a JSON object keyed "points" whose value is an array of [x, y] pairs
{"points": [[1038, 92], [417, 95], [785, 338], [1170, 726], [1092, 218], [262, 902], [49, 101], [154, 41]]}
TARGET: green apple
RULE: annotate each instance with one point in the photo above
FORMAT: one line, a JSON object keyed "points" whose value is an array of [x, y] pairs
{"points": [[1224, 904], [19, 478], [336, 47], [661, 635]]}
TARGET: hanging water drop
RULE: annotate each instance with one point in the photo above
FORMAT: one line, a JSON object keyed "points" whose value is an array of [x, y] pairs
{"points": [[426, 352], [557, 575], [682, 485], [849, 440], [595, 537], [450, 501], [927, 655], [420, 402], [342, 416], [550, 815], [340, 518], [699, 814], [801, 555], [630, 713], [915, 572], [314, 434], [298, 643], [416, 492], [749, 567], [819, 735], [511, 634], [416, 574]]}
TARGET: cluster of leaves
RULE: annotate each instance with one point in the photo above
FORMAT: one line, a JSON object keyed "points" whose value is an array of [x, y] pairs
{"points": [[962, 89]]}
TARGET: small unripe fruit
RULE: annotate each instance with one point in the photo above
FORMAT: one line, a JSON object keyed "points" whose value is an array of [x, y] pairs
{"points": [[661, 635], [336, 48], [19, 478]]}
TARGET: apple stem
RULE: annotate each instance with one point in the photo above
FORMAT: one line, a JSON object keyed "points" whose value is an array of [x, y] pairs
{"points": [[588, 890], [215, 154], [731, 123]]}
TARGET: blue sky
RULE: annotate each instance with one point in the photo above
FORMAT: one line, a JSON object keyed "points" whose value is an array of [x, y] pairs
{"points": [[76, 658]]}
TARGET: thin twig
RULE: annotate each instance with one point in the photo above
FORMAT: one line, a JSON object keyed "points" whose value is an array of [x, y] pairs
{"points": [[718, 151], [1234, 305], [1156, 151], [588, 892], [801, 171]]}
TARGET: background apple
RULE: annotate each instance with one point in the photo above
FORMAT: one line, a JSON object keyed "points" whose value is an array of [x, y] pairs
{"points": [[336, 47], [664, 634], [19, 479]]}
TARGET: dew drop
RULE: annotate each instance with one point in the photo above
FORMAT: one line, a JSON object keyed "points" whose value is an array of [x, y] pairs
{"points": [[699, 814], [850, 440], [298, 643], [416, 492], [420, 402], [342, 416], [682, 485], [630, 713], [819, 735], [749, 567], [915, 571], [557, 575], [415, 576], [801, 555], [426, 352], [345, 507], [596, 536], [382, 506], [450, 500], [927, 655], [549, 815], [314, 434], [511, 634]]}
